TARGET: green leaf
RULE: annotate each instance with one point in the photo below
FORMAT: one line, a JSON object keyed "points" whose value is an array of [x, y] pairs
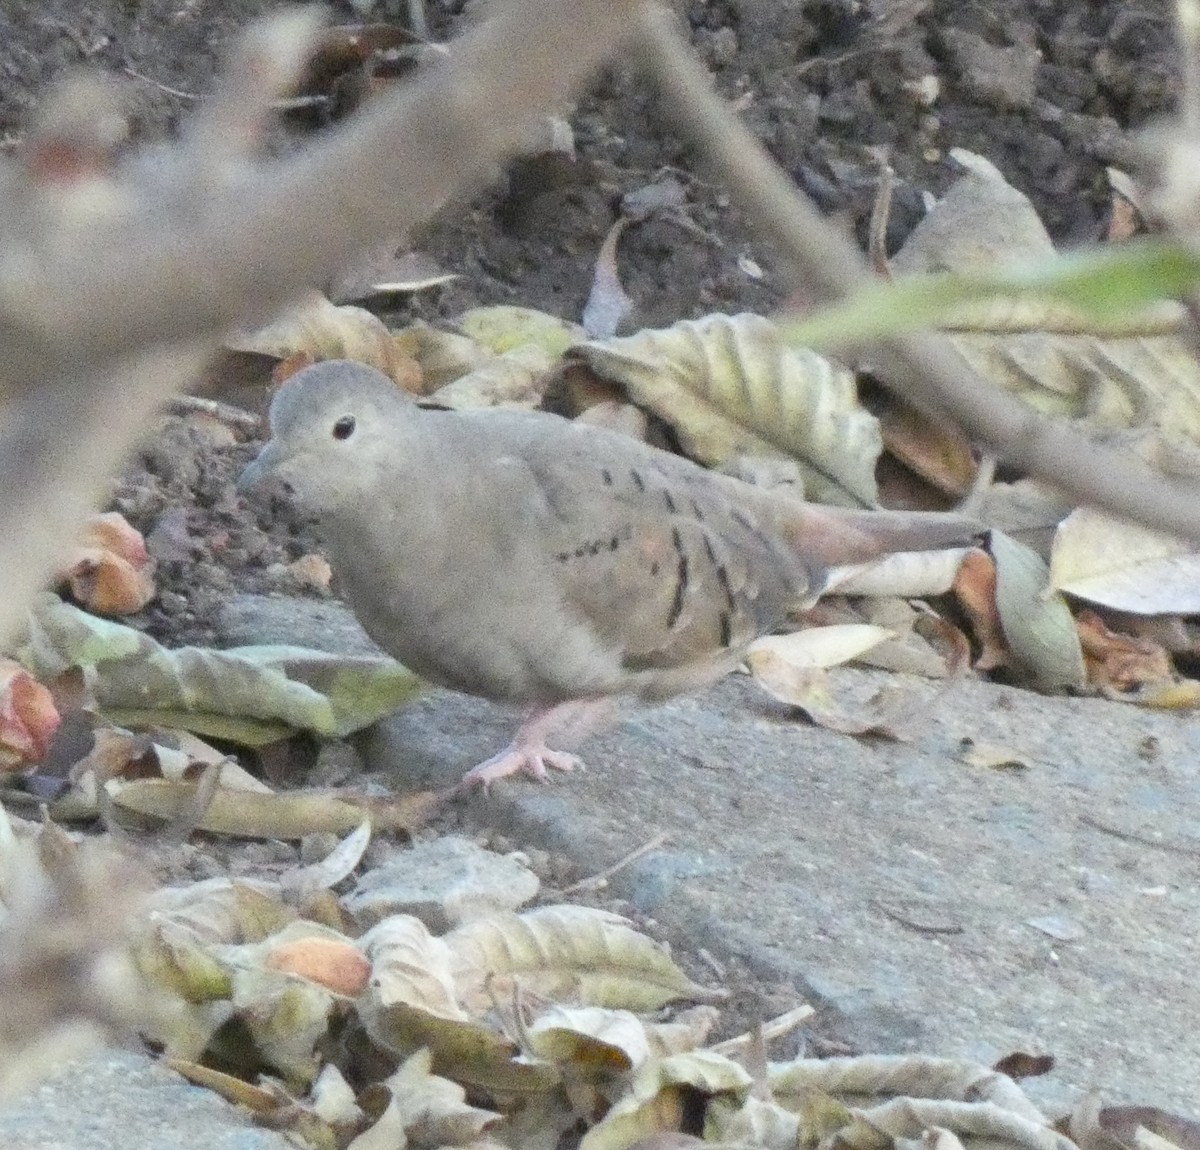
{"points": [[255, 694], [1100, 283]]}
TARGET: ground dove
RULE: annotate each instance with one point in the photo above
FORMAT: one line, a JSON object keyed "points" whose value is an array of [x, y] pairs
{"points": [[521, 557]]}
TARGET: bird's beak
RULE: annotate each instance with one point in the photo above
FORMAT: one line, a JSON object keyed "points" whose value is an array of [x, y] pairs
{"points": [[259, 469]]}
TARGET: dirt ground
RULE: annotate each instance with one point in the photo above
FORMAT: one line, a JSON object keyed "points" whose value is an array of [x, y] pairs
{"points": [[1049, 92]]}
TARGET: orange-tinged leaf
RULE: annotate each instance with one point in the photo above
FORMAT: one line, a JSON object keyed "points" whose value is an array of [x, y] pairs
{"points": [[323, 331], [1120, 662], [28, 717], [110, 571], [975, 587], [336, 965], [938, 454]]}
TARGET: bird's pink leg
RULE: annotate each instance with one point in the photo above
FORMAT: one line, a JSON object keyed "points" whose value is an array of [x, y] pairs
{"points": [[528, 753]]}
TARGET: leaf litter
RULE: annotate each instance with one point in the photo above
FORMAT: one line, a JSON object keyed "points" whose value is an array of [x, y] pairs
{"points": [[516, 1026]]}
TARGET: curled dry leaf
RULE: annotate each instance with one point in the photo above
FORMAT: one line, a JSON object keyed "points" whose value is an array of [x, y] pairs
{"points": [[975, 588], [863, 1081], [110, 570], [589, 1041], [256, 1099], [325, 331], [608, 303], [1036, 622], [409, 965], [443, 356], [267, 815], [285, 1020], [809, 649], [412, 1002], [939, 454], [504, 328], [753, 1122], [28, 717], [559, 951], [432, 1110], [1121, 663], [791, 668], [655, 1101], [253, 695], [1124, 566], [908, 574], [516, 378], [730, 386]]}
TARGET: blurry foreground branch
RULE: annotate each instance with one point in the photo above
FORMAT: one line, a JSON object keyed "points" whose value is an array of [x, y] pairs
{"points": [[115, 287]]}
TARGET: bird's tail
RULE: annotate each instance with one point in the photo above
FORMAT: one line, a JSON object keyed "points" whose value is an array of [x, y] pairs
{"points": [[836, 537]]}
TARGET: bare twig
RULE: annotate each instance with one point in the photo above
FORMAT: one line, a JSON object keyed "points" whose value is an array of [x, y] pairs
{"points": [[777, 1027], [600, 880], [176, 92], [925, 369]]}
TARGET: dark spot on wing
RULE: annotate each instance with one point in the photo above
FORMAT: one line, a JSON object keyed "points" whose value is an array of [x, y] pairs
{"points": [[606, 475], [638, 481], [681, 580]]}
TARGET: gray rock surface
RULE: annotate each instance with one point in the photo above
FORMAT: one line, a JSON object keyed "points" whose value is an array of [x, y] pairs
{"points": [[118, 1100], [443, 882], [892, 880]]}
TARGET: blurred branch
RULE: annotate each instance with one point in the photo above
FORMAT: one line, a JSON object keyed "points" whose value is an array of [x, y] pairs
{"points": [[115, 287], [924, 369]]}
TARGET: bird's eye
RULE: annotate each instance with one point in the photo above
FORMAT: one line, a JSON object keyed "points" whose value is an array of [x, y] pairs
{"points": [[344, 428]]}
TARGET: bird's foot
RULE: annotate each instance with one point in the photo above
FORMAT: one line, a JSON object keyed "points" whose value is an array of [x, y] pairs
{"points": [[520, 758]]}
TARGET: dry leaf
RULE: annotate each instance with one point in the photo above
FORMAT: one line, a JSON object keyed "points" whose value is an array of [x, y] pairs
{"points": [[589, 1041], [1121, 662], [110, 570], [336, 964], [504, 328], [443, 356], [1124, 566], [812, 648], [28, 717], [516, 378], [288, 815], [572, 952], [608, 302], [1036, 622], [939, 454], [655, 1100], [730, 386], [252, 695], [975, 588], [411, 966], [432, 1110], [908, 574], [324, 331]]}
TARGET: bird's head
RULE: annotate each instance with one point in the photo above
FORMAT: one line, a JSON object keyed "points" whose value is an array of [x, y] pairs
{"points": [[330, 424]]}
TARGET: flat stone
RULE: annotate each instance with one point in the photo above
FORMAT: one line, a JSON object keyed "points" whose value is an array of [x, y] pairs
{"points": [[122, 1100], [443, 882], [892, 880]]}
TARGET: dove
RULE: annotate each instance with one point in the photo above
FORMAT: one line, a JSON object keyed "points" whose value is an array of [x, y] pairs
{"points": [[527, 559]]}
